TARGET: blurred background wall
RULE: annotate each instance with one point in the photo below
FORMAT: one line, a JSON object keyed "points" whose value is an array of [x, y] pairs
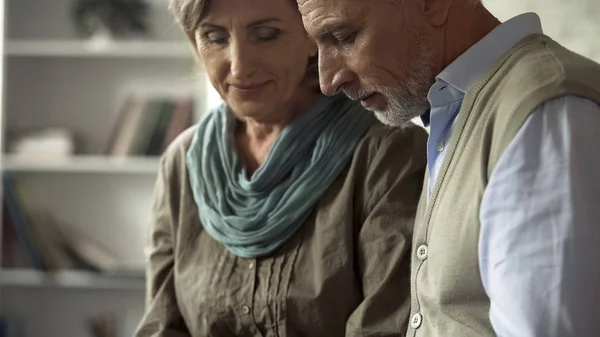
{"points": [[88, 105], [573, 23]]}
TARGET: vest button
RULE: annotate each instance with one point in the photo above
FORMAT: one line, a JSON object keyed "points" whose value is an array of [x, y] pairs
{"points": [[422, 252], [416, 320]]}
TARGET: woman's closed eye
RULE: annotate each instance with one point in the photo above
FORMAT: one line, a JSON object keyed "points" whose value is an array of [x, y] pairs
{"points": [[259, 33], [265, 33], [215, 37]]}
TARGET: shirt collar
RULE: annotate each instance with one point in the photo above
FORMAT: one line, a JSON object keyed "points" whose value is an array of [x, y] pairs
{"points": [[454, 81]]}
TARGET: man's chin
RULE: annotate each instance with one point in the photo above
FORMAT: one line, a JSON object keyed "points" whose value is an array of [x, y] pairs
{"points": [[389, 118], [381, 112], [395, 115]]}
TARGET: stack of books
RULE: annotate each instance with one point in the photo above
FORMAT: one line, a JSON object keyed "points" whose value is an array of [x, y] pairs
{"points": [[146, 126], [34, 239]]}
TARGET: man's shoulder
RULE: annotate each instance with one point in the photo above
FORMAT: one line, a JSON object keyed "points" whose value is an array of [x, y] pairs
{"points": [[536, 70], [539, 62]]}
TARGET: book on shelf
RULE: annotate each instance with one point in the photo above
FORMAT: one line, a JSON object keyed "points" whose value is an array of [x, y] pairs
{"points": [[34, 238], [146, 126]]}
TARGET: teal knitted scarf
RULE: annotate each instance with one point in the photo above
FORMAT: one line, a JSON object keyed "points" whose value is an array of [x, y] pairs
{"points": [[254, 216]]}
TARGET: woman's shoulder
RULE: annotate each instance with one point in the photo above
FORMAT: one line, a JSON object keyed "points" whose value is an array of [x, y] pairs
{"points": [[409, 139], [182, 142], [389, 164], [174, 157]]}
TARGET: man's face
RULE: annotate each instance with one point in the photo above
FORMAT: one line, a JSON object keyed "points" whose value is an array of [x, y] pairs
{"points": [[377, 51]]}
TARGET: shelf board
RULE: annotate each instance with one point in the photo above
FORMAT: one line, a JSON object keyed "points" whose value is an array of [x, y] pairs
{"points": [[82, 48], [81, 164], [69, 279]]}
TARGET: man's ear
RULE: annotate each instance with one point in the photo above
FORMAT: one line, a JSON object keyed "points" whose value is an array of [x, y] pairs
{"points": [[313, 51], [436, 11]]}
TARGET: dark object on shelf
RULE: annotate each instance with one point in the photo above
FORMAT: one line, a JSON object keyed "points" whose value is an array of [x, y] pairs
{"points": [[111, 18], [103, 325]]}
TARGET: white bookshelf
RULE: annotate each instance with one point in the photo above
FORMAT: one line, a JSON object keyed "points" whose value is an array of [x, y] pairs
{"points": [[51, 77], [72, 279], [77, 48], [81, 164]]}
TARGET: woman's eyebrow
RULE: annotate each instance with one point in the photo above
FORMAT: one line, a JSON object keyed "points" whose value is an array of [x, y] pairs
{"points": [[262, 21], [206, 25]]}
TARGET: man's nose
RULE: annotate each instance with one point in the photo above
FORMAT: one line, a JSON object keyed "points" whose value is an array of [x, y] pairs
{"points": [[333, 74]]}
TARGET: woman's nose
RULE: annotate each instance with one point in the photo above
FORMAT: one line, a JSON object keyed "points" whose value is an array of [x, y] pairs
{"points": [[242, 60]]}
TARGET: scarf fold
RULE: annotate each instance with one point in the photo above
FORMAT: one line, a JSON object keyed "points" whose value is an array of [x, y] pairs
{"points": [[254, 216]]}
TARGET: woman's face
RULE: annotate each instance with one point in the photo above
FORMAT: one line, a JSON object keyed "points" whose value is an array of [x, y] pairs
{"points": [[256, 53]]}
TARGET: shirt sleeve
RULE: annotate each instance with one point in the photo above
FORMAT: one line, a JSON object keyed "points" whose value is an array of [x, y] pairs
{"points": [[162, 317], [540, 225], [382, 250]]}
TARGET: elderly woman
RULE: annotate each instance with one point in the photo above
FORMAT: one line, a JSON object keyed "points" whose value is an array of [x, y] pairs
{"points": [[284, 212]]}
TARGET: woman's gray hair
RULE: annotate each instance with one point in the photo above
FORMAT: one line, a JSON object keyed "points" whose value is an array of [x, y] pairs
{"points": [[189, 13]]}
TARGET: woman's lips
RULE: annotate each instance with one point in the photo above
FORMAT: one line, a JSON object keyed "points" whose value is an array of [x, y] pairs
{"points": [[248, 89]]}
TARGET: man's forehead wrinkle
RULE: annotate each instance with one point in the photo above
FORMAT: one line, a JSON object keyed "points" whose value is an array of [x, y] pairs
{"points": [[313, 9], [317, 18], [312, 16], [304, 3]]}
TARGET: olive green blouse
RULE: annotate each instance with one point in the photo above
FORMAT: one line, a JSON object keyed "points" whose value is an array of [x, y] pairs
{"points": [[344, 273]]}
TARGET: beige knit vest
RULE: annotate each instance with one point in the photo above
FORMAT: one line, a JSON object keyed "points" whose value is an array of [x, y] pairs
{"points": [[448, 298]]}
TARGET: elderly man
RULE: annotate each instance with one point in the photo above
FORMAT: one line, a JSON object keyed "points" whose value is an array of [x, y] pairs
{"points": [[508, 231]]}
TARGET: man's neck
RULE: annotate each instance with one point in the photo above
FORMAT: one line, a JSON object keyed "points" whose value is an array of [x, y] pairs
{"points": [[464, 28]]}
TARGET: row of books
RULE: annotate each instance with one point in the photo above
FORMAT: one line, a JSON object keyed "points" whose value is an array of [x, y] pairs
{"points": [[146, 126], [34, 238]]}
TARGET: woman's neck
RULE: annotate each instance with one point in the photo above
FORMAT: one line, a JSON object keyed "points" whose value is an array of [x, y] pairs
{"points": [[254, 138]]}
